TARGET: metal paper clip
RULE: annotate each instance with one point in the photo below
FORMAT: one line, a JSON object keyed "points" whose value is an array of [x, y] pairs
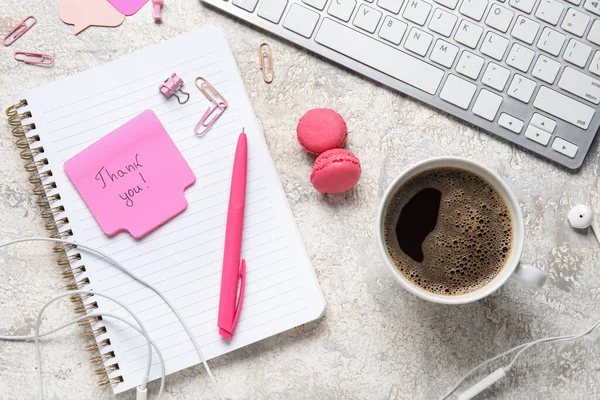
{"points": [[33, 58], [19, 30], [170, 87], [220, 104], [266, 57]]}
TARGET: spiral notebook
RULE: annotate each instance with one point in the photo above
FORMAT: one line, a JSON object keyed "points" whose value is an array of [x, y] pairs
{"points": [[183, 257]]}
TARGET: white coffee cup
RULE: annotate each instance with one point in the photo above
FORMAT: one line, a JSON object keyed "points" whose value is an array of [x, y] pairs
{"points": [[513, 267]]}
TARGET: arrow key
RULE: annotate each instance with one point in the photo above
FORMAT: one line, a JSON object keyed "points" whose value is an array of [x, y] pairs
{"points": [[564, 147], [542, 122], [511, 123], [538, 135]]}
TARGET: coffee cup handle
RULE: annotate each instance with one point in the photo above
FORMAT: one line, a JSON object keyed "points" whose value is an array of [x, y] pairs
{"points": [[529, 276]]}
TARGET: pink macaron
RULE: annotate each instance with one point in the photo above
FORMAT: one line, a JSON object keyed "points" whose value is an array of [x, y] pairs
{"points": [[321, 129], [335, 171]]}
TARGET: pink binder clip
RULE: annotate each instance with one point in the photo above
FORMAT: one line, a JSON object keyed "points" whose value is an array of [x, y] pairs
{"points": [[19, 30], [33, 58], [157, 10], [171, 85]]}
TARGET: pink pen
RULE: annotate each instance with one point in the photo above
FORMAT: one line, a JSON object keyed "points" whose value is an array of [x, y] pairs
{"points": [[229, 304]]}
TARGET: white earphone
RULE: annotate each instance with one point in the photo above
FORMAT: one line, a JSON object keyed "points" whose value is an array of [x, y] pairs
{"points": [[580, 217]]}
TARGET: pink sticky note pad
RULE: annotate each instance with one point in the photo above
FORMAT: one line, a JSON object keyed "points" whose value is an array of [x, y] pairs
{"points": [[134, 178], [128, 7]]}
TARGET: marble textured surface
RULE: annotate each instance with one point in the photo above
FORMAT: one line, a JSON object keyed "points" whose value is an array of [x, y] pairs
{"points": [[376, 341]]}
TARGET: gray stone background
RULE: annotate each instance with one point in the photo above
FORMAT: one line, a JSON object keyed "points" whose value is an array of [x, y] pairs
{"points": [[376, 341]]}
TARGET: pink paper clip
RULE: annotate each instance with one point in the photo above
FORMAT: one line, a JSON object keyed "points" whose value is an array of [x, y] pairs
{"points": [[34, 58], [170, 87], [19, 30], [206, 125], [220, 104]]}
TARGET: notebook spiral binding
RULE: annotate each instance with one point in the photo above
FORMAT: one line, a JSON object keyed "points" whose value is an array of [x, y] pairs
{"points": [[57, 225]]}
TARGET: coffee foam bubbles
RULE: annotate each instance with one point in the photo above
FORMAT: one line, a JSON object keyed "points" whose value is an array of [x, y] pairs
{"points": [[472, 238]]}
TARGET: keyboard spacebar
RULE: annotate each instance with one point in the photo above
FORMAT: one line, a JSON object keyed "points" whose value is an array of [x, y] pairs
{"points": [[379, 56]]}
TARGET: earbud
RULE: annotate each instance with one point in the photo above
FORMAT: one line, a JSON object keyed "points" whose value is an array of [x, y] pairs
{"points": [[582, 217]]}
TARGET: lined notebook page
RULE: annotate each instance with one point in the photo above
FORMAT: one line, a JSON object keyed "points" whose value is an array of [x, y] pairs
{"points": [[183, 258]]}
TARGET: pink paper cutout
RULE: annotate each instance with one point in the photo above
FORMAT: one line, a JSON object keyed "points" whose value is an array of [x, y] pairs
{"points": [[134, 178], [85, 13], [128, 7]]}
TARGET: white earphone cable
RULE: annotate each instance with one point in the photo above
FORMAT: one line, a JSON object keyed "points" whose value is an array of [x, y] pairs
{"points": [[522, 348], [160, 356], [140, 280], [36, 337]]}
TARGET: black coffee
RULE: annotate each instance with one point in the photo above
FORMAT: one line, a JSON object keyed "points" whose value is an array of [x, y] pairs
{"points": [[448, 231]]}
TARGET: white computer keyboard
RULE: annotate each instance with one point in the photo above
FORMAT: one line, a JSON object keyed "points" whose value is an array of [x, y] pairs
{"points": [[525, 70]]}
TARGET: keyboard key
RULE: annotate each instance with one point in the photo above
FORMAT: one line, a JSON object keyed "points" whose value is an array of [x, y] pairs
{"points": [[248, 5], [564, 147], [495, 76], [417, 11], [499, 18], [551, 41], [451, 4], [520, 57], [458, 91], [521, 88], [594, 35], [577, 53], [392, 30], [592, 6], [301, 20], [494, 45], [442, 22], [444, 53], [393, 6], [523, 5], [342, 9], [367, 18], [418, 41], [272, 10], [469, 65], [595, 64], [468, 33], [525, 29], [318, 4], [487, 105], [549, 11], [473, 8], [576, 2], [575, 22], [564, 107], [379, 56], [537, 135], [511, 123], [544, 123], [546, 69], [580, 85]]}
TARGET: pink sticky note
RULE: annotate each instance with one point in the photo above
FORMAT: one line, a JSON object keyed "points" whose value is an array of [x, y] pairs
{"points": [[85, 13], [128, 7], [132, 179]]}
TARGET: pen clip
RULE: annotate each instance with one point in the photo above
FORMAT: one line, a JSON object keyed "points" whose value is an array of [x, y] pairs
{"points": [[238, 306]]}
